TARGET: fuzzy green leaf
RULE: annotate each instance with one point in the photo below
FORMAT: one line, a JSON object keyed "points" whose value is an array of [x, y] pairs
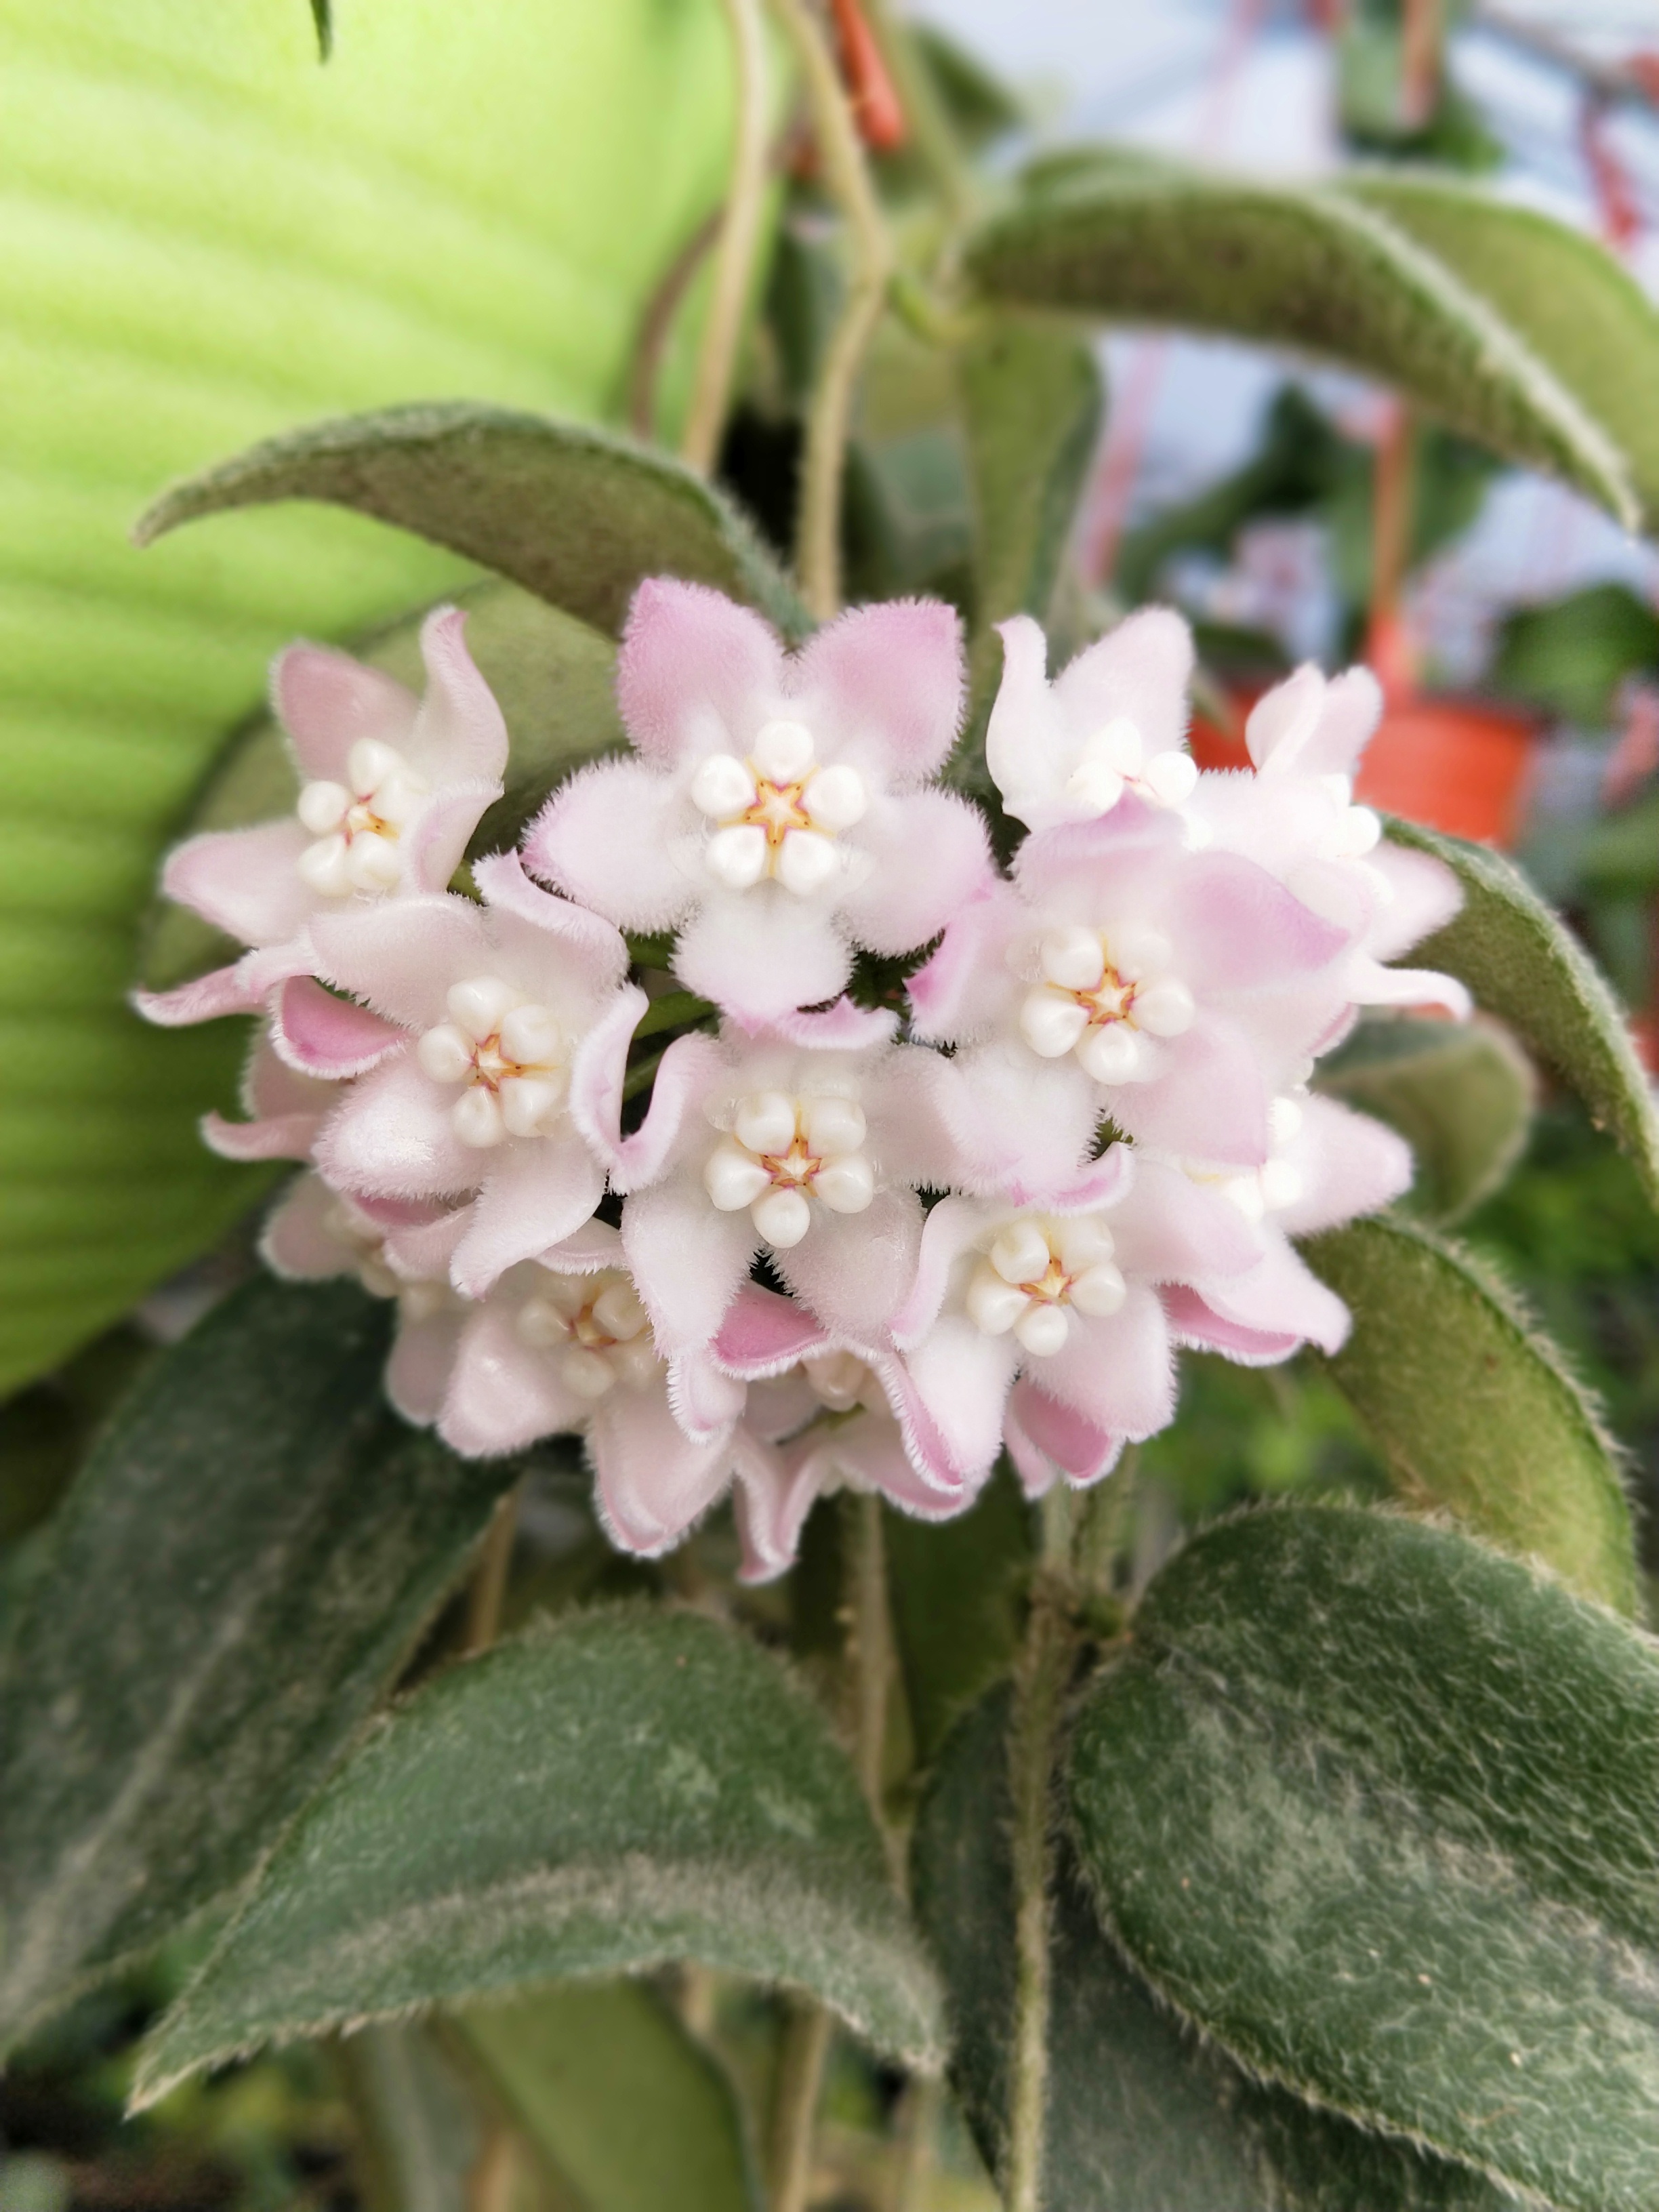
{"points": [[575, 515], [1032, 404], [1475, 1410], [631, 2112], [1379, 1810], [244, 1564], [208, 239], [555, 678], [1298, 266], [1140, 2112], [1461, 1096], [1576, 307], [619, 1791], [1524, 965]]}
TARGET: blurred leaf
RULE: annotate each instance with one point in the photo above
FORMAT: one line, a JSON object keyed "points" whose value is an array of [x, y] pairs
{"points": [[322, 14], [575, 515], [1461, 1095], [1572, 302], [907, 523], [1033, 402], [1141, 241], [615, 2092], [1524, 965], [555, 678], [980, 106], [419, 2129], [210, 238], [1476, 1411], [245, 1563], [956, 1588], [1619, 858], [618, 1791], [1141, 2111], [1570, 657], [1379, 1811]]}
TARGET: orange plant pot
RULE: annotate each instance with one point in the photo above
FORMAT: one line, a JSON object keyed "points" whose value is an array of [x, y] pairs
{"points": [[1452, 764]]}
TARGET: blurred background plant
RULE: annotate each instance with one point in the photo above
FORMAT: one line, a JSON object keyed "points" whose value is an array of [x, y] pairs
{"points": [[526, 209]]}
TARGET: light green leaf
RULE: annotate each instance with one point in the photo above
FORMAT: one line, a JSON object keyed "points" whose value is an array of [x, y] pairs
{"points": [[627, 2108], [1140, 2112], [1524, 964], [210, 238], [1578, 309], [577, 516], [244, 1564], [619, 1791], [1461, 1095], [1379, 1810], [419, 2130], [554, 679], [1299, 266], [1475, 1410]]}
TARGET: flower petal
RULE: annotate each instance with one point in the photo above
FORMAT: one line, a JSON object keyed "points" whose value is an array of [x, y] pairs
{"points": [[886, 684], [962, 1378], [965, 988], [1046, 1438], [1280, 1296], [842, 1027], [704, 1400], [503, 1394], [852, 1270], [1140, 671], [225, 991], [391, 1135], [536, 1191], [686, 1073], [688, 1261], [593, 947], [317, 1034], [1209, 1102], [401, 955], [245, 881], [434, 844], [1349, 1164], [422, 1361], [775, 1492], [459, 734], [1118, 1373], [299, 1242], [326, 700], [763, 1334], [1028, 740], [760, 955], [653, 1481], [696, 672], [609, 837], [1192, 1322], [933, 854], [1423, 897]]}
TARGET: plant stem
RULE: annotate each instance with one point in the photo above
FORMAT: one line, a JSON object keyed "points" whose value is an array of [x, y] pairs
{"points": [[869, 1645], [1040, 1681], [795, 2104], [483, 1604], [817, 553], [918, 2125], [739, 234]]}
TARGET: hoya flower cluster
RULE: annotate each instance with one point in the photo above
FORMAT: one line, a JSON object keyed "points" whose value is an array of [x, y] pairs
{"points": [[832, 1245]]}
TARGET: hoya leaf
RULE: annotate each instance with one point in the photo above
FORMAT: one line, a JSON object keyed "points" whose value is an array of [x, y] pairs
{"points": [[577, 516], [243, 1565], [1575, 306], [955, 1589], [554, 677], [628, 2110], [420, 2130], [613, 1792], [1378, 1809], [210, 239], [1141, 2112], [1032, 402], [1475, 1410], [1299, 266], [1524, 965], [1461, 1095]]}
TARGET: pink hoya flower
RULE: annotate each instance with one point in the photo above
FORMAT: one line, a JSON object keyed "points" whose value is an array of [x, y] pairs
{"points": [[285, 1111], [778, 812], [811, 1153], [1173, 992], [1067, 1295], [391, 789], [1296, 816], [489, 1030], [315, 1234], [1113, 723]]}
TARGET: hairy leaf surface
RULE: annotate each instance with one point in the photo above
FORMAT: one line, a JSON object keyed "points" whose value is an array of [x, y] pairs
{"points": [[577, 516], [1462, 1094], [242, 1566], [1305, 267], [612, 1793], [1140, 2112], [1379, 1810], [1574, 303], [1524, 965], [625, 2106], [1474, 1409]]}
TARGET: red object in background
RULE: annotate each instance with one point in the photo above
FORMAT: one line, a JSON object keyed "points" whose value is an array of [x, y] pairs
{"points": [[1616, 203], [876, 104], [1452, 764]]}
